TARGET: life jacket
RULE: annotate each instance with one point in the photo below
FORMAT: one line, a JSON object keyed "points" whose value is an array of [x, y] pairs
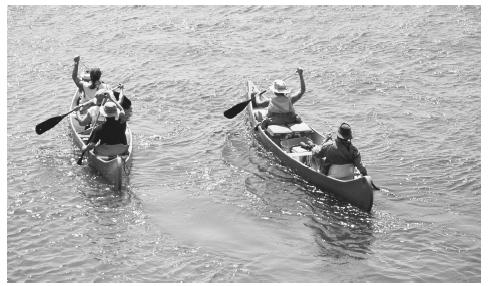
{"points": [[280, 104]]}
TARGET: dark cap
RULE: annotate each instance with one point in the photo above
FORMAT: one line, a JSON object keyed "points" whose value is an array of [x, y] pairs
{"points": [[344, 131]]}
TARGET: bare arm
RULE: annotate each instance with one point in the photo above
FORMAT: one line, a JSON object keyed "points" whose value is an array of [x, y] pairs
{"points": [[111, 97], [299, 95], [74, 75], [85, 121], [121, 94]]}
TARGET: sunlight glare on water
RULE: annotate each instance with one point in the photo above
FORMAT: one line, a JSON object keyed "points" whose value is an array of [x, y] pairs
{"points": [[204, 201]]}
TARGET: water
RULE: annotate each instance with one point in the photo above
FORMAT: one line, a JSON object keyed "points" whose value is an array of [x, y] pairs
{"points": [[205, 202]]}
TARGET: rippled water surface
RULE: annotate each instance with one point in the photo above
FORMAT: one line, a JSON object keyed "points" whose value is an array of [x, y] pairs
{"points": [[204, 202]]}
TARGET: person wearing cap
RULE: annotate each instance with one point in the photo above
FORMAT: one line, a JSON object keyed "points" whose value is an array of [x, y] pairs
{"points": [[339, 151], [280, 106], [91, 87], [109, 138]]}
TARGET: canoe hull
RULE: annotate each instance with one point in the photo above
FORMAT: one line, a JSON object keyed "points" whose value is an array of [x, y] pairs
{"points": [[113, 170], [358, 191]]}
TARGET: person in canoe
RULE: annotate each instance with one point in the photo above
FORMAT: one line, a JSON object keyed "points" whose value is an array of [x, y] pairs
{"points": [[92, 107], [91, 87], [109, 138], [280, 106], [338, 152], [91, 110]]}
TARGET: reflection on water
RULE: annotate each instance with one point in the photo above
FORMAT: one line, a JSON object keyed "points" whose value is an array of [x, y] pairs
{"points": [[205, 202], [341, 230]]}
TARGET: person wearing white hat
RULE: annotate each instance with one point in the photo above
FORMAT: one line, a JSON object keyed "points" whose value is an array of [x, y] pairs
{"points": [[109, 138], [280, 106], [339, 151]]}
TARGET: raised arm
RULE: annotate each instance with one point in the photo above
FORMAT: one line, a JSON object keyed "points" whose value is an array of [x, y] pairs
{"points": [[111, 97], [121, 94], [299, 95], [74, 75]]}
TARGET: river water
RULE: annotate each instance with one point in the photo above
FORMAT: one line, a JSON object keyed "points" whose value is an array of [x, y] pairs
{"points": [[204, 202]]}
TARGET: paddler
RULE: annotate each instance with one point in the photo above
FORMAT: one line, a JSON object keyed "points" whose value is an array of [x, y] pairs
{"points": [[91, 110], [280, 106], [339, 151], [91, 87], [109, 138], [92, 107]]}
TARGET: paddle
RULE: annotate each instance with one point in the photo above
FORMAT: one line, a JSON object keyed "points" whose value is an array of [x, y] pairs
{"points": [[236, 109], [80, 160], [51, 122]]}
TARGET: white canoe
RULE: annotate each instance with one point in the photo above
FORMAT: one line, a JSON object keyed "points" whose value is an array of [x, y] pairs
{"points": [[113, 168]]}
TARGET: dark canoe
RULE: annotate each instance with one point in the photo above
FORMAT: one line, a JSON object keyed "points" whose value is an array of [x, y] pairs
{"points": [[358, 190], [111, 168]]}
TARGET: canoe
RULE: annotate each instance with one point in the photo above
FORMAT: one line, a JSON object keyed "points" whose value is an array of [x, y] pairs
{"points": [[283, 142], [112, 168]]}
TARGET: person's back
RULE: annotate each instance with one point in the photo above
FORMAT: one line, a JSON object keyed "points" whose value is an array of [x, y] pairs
{"points": [[91, 87], [89, 93], [111, 132], [110, 136], [340, 151], [280, 107]]}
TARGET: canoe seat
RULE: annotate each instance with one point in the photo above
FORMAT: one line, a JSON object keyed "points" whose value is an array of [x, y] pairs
{"points": [[275, 130], [300, 128], [342, 172]]}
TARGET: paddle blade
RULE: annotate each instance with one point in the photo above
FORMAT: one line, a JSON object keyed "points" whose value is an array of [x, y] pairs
{"points": [[80, 160], [236, 109], [48, 124]]}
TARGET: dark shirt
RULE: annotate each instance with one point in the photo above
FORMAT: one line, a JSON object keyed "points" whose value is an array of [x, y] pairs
{"points": [[111, 132], [338, 152]]}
